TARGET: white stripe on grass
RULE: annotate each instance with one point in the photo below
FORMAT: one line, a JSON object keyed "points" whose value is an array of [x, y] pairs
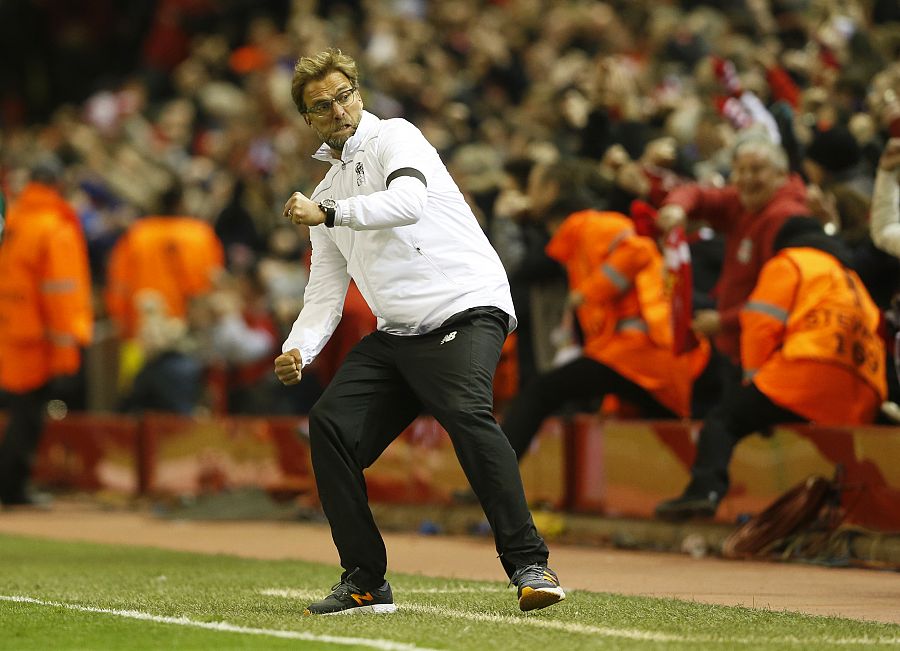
{"points": [[224, 627], [293, 593], [587, 629], [636, 634]]}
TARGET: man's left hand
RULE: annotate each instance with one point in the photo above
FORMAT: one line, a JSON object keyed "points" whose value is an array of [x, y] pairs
{"points": [[707, 322], [301, 210], [574, 299]]}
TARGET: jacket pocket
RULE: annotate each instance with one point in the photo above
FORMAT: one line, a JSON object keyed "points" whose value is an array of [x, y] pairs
{"points": [[420, 251]]}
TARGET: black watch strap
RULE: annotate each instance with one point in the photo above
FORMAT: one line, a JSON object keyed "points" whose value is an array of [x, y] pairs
{"points": [[329, 214]]}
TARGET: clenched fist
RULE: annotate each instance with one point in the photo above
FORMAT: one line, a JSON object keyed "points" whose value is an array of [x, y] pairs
{"points": [[287, 367], [301, 210]]}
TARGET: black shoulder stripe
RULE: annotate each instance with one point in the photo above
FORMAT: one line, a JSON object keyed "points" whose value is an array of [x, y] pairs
{"points": [[406, 171]]}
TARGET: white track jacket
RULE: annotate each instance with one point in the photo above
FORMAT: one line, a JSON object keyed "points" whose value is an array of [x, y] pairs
{"points": [[402, 232]]}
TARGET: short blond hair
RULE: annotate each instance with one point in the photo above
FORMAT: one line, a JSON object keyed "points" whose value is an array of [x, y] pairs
{"points": [[770, 151], [317, 67]]}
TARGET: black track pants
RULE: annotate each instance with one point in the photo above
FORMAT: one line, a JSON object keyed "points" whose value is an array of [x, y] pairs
{"points": [[383, 384]]}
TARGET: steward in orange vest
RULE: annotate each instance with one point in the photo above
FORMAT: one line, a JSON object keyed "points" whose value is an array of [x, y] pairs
{"points": [[46, 317], [616, 281], [177, 257], [810, 352]]}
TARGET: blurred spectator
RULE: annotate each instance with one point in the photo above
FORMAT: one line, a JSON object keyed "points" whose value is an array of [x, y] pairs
{"points": [[885, 229], [885, 226], [616, 117], [46, 317], [760, 196], [810, 351], [243, 339], [478, 171], [237, 230], [284, 272], [840, 195], [176, 255], [537, 282], [170, 379], [840, 187], [616, 287]]}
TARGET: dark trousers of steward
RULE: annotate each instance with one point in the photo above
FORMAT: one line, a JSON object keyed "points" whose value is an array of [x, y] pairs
{"points": [[384, 383], [20, 443]]}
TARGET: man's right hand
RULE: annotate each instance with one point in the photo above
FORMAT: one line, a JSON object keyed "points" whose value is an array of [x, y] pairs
{"points": [[287, 367], [670, 216]]}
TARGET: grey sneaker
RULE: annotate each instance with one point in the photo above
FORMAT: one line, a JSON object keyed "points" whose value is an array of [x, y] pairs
{"points": [[538, 586], [347, 599]]}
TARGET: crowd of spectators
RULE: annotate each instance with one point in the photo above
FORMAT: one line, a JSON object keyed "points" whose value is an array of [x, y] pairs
{"points": [[649, 95]]}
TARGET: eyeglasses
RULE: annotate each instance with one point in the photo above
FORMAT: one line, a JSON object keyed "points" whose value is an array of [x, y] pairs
{"points": [[323, 108]]}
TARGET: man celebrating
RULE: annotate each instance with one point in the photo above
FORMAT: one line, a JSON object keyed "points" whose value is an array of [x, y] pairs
{"points": [[389, 216], [760, 196], [810, 351]]}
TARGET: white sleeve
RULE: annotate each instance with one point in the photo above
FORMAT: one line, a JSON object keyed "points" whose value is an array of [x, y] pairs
{"points": [[406, 157], [401, 204], [323, 300], [884, 224]]}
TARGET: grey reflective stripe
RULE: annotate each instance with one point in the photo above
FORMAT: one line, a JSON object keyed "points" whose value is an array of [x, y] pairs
{"points": [[749, 373], [621, 235], [631, 323], [61, 338], [767, 308], [617, 279], [57, 286]]}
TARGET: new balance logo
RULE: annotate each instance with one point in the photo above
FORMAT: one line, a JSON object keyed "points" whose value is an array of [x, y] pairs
{"points": [[360, 598], [448, 337]]}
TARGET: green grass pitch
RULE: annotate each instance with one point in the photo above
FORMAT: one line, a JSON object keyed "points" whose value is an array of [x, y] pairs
{"points": [[60, 596]]}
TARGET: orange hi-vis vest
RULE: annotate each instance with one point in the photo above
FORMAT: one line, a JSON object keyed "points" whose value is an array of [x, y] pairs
{"points": [[626, 314], [809, 339], [46, 314], [175, 257]]}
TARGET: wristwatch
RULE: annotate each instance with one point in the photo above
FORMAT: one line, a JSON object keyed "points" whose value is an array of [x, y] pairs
{"points": [[329, 207]]}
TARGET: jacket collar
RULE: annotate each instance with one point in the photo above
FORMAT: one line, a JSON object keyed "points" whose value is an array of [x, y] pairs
{"points": [[367, 125]]}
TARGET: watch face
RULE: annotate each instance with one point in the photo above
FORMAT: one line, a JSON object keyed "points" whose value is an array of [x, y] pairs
{"points": [[329, 203]]}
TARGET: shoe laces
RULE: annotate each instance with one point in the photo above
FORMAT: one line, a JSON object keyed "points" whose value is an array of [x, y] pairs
{"points": [[534, 572], [345, 585]]}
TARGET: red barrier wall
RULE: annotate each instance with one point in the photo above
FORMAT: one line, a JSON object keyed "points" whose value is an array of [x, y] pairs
{"points": [[611, 467]]}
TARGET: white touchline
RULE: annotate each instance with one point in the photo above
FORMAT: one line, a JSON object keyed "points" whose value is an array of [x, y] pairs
{"points": [[293, 593], [633, 634], [602, 631], [224, 627]]}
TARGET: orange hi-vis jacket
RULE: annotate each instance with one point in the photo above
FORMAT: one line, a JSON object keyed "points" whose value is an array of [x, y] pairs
{"points": [[809, 339], [626, 314], [46, 314], [177, 257]]}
